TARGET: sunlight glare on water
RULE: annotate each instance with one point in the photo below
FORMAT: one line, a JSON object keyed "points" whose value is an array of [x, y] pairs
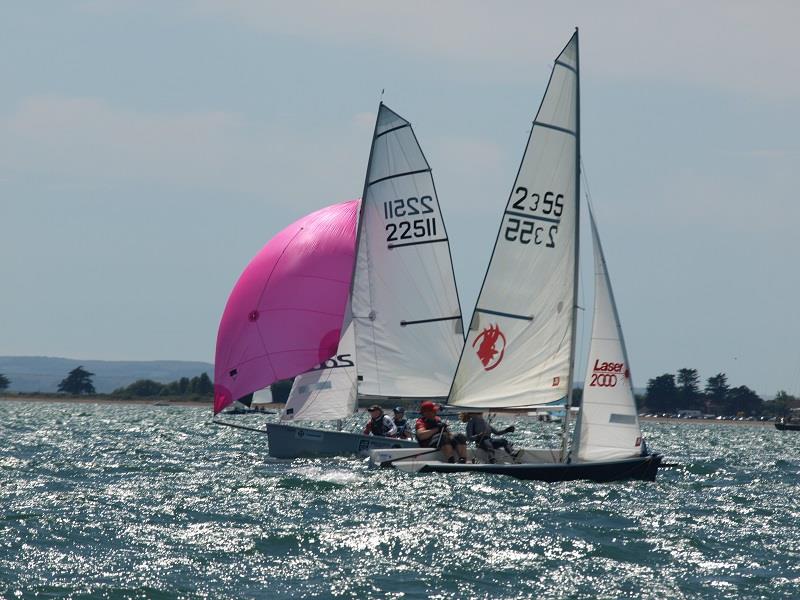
{"points": [[104, 501]]}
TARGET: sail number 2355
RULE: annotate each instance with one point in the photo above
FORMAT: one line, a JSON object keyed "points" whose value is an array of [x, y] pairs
{"points": [[548, 203], [529, 231], [525, 231]]}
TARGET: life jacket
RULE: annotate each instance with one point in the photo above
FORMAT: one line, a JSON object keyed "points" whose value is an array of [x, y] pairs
{"points": [[379, 426], [402, 428], [424, 423]]}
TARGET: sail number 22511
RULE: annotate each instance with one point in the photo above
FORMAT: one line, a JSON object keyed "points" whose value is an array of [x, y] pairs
{"points": [[412, 223]]}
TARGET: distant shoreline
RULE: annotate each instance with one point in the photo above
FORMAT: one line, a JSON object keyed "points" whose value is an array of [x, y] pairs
{"points": [[157, 401], [105, 399], [676, 421]]}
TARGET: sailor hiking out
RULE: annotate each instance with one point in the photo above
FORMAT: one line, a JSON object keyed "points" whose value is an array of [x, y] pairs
{"points": [[432, 432], [480, 432]]}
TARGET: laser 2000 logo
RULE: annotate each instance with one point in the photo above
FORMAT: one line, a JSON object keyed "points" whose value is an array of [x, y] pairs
{"points": [[606, 374]]}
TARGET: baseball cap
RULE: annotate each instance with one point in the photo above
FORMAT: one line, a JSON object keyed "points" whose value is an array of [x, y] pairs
{"points": [[428, 405], [399, 409]]}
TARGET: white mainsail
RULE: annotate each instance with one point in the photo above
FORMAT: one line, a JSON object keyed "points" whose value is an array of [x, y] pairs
{"points": [[328, 391], [519, 347], [407, 317], [607, 426]]}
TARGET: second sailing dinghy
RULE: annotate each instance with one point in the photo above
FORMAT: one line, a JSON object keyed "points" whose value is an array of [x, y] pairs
{"points": [[328, 392], [403, 332], [520, 348]]}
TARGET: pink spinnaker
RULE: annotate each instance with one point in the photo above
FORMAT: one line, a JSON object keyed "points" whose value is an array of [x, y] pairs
{"points": [[285, 312]]}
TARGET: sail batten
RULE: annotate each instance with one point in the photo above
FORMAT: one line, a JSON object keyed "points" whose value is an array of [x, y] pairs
{"points": [[388, 177]]}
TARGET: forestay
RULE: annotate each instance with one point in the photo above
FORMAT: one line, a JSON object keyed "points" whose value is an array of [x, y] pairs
{"points": [[406, 312], [607, 426], [328, 391], [520, 341]]}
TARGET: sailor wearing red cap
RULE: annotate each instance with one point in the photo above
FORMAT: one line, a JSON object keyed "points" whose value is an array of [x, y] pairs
{"points": [[432, 433]]}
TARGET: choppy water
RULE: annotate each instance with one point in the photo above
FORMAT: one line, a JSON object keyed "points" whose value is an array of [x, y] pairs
{"points": [[150, 502]]}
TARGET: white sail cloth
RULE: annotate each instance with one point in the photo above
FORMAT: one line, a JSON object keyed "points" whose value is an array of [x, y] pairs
{"points": [[607, 426], [328, 391], [519, 345], [407, 317]]}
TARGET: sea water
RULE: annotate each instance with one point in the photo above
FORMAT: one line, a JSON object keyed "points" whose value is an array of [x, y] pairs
{"points": [[131, 501]]}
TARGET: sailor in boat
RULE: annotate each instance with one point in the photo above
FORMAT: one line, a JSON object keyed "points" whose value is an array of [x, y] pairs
{"points": [[379, 424], [401, 423], [432, 433], [480, 432]]}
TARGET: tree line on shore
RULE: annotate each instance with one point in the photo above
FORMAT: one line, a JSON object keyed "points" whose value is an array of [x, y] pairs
{"points": [[671, 393], [79, 382], [143, 388], [667, 393]]}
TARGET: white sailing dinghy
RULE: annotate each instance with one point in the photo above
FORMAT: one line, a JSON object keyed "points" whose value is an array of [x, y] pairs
{"points": [[520, 348], [403, 334]]}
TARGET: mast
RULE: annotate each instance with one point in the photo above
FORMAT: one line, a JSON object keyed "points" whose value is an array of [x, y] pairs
{"points": [[570, 377]]}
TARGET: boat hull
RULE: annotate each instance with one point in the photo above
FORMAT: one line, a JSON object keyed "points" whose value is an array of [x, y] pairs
{"points": [[641, 468], [291, 441], [787, 426]]}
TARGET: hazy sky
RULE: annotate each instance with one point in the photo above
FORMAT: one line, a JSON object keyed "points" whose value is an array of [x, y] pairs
{"points": [[149, 149]]}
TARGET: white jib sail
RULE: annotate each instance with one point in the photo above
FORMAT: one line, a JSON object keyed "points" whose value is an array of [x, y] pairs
{"points": [[519, 345], [607, 426], [328, 391], [405, 307]]}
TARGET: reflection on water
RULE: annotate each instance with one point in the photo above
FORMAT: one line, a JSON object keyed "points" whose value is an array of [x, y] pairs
{"points": [[141, 502]]}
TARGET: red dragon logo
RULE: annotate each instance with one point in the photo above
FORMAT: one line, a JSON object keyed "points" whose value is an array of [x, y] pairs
{"points": [[488, 352]]}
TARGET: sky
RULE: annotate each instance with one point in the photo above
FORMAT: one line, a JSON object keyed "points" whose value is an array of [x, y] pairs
{"points": [[148, 150]]}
